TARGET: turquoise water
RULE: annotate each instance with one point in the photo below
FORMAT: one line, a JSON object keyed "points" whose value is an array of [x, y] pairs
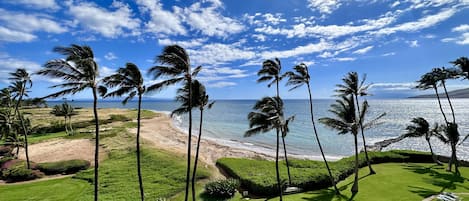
{"points": [[227, 121]]}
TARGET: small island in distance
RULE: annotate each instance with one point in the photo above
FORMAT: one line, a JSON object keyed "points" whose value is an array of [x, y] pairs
{"points": [[460, 93]]}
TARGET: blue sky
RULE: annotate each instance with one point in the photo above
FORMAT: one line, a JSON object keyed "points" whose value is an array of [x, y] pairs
{"points": [[393, 42]]}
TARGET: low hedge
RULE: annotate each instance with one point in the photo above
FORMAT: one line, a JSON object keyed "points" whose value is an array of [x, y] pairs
{"points": [[225, 188], [63, 167], [20, 173], [259, 177]]}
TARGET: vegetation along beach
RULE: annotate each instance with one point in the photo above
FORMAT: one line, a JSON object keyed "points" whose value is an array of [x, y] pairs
{"points": [[223, 100]]}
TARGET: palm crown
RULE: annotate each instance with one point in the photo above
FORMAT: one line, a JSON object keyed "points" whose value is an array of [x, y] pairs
{"points": [[270, 71], [268, 116], [352, 85], [463, 63], [129, 79], [299, 77]]}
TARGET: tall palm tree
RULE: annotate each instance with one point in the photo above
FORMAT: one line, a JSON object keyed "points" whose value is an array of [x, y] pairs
{"points": [[200, 99], [177, 67], [452, 136], [268, 115], [297, 79], [270, 71], [421, 128], [129, 82], [354, 86], [79, 70], [22, 82], [6, 100], [442, 75], [430, 80], [58, 110], [69, 111], [463, 64]]}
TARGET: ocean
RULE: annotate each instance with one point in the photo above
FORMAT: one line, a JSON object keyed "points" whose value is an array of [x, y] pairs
{"points": [[227, 121]]}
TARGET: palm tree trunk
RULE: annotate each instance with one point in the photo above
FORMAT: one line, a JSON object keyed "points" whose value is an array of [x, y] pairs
{"points": [[286, 161], [70, 123], [319, 142], [439, 104], [197, 153], [189, 138], [433, 154], [139, 171], [455, 159], [20, 117], [96, 148], [279, 184], [363, 137], [355, 181], [66, 125], [449, 101]]}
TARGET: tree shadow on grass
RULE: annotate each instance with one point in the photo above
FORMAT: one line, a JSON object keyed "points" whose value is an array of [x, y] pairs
{"points": [[324, 195], [444, 181]]}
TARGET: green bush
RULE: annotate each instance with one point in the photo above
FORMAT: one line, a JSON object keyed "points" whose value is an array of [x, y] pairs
{"points": [[221, 188], [5, 150], [259, 176], [63, 167], [20, 173], [119, 117]]}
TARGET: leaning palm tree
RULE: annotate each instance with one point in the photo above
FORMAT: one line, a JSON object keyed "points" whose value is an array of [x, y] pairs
{"points": [[421, 128], [200, 99], [270, 71], [69, 111], [177, 67], [268, 115], [452, 136], [58, 111], [443, 74], [297, 79], [430, 81], [463, 64], [79, 70], [22, 82], [129, 82], [353, 86]]}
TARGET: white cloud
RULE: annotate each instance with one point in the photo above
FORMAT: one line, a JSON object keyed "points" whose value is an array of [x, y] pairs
{"points": [[422, 23], [413, 43], [29, 23], [273, 18], [111, 24], [208, 20], [218, 53], [186, 44], [300, 50], [388, 54], [396, 3], [393, 86], [220, 84], [110, 56], [463, 39], [344, 59], [161, 21], [461, 28], [105, 71], [9, 35], [363, 50], [324, 6], [36, 4], [259, 37], [9, 64]]}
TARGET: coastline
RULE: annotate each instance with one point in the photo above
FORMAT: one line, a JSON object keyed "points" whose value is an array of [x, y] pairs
{"points": [[162, 132]]}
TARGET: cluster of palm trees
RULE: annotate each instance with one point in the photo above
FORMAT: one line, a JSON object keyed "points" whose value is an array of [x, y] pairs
{"points": [[14, 125], [67, 111], [447, 132], [80, 71]]}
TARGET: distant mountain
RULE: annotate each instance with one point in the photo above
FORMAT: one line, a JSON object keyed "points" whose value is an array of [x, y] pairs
{"points": [[460, 93]]}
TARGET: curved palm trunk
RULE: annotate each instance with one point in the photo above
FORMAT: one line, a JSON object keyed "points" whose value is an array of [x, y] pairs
{"points": [[433, 154], [319, 142], [449, 101], [66, 125], [439, 104], [355, 181], [70, 123], [279, 184], [286, 161], [96, 148], [139, 171], [189, 139], [197, 154], [455, 158], [24, 128], [363, 137]]}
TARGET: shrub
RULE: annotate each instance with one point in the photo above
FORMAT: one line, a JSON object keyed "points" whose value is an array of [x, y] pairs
{"points": [[20, 173], [5, 150], [221, 188], [4, 160], [63, 167], [119, 117]]}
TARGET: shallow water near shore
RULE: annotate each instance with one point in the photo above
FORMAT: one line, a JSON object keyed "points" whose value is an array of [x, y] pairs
{"points": [[227, 121]]}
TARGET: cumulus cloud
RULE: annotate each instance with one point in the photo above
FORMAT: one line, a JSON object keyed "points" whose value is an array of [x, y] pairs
{"points": [[186, 44], [109, 23], [461, 28], [110, 56], [219, 53], [462, 39], [8, 35], [300, 50], [220, 84], [36, 4], [9, 64], [324, 6], [161, 21]]}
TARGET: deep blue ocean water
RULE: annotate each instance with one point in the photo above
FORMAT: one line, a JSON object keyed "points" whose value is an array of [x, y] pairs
{"points": [[227, 121]]}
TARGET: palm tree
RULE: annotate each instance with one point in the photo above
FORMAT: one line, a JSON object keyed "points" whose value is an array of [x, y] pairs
{"points": [[452, 136], [270, 71], [176, 66], [79, 70], [442, 75], [430, 80], [353, 86], [129, 81], [6, 100], [298, 79], [58, 111], [268, 115], [22, 82], [421, 128], [463, 64], [69, 111]]}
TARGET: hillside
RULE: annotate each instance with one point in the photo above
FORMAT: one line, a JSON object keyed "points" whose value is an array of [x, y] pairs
{"points": [[460, 93]]}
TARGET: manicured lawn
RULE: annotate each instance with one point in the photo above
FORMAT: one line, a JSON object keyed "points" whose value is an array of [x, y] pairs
{"points": [[36, 138]]}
